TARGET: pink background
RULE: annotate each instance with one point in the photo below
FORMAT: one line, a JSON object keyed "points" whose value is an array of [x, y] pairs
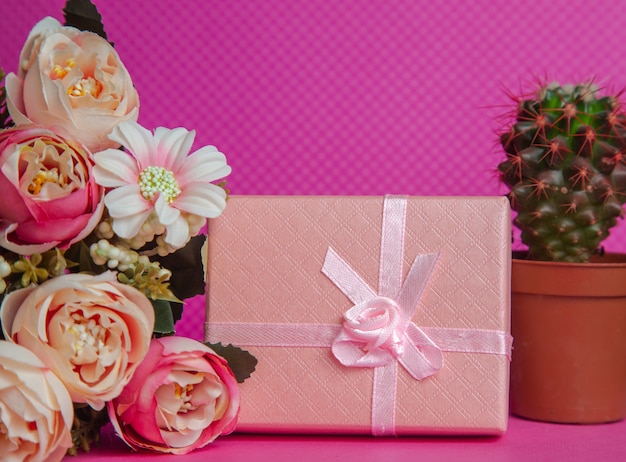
{"points": [[525, 440], [351, 96]]}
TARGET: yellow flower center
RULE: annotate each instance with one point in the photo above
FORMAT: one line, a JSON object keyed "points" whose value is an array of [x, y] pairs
{"points": [[58, 71], [41, 178], [87, 335], [153, 180], [88, 86], [182, 393]]}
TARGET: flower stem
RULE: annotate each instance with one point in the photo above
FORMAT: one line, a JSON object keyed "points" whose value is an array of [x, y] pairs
{"points": [[86, 428]]}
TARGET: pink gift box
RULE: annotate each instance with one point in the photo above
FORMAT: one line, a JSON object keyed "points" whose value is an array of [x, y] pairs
{"points": [[367, 315]]}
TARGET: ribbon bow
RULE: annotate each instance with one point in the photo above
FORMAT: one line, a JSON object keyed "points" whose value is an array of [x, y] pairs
{"points": [[377, 329]]}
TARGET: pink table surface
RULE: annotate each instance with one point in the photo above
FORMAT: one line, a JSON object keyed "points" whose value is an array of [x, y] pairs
{"points": [[524, 441]]}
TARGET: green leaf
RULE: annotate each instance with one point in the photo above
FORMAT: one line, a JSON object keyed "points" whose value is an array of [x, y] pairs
{"points": [[241, 362], [187, 271], [83, 15], [163, 318]]}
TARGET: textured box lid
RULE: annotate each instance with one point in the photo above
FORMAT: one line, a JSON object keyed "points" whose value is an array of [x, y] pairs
{"points": [[265, 256]]}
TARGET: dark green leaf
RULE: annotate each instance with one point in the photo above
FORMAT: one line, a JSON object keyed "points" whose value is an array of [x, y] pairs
{"points": [[86, 428], [163, 319], [241, 362], [83, 15], [187, 271], [79, 253], [177, 311]]}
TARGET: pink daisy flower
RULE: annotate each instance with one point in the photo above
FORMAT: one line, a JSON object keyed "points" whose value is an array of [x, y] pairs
{"points": [[156, 176]]}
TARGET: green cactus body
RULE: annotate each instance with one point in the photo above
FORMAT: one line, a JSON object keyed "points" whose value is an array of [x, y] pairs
{"points": [[566, 169]]}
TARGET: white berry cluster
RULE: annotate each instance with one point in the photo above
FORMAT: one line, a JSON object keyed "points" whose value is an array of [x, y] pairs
{"points": [[119, 258], [152, 230], [5, 270], [114, 257]]}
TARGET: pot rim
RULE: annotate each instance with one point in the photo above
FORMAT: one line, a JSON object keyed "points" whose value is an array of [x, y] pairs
{"points": [[607, 260], [570, 279]]}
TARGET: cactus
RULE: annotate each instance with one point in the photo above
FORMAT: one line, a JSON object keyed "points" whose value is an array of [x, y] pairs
{"points": [[566, 169]]}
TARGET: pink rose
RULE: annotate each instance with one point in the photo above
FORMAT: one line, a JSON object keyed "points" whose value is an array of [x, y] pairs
{"points": [[372, 334], [90, 330], [182, 397], [74, 80], [36, 411], [49, 196]]}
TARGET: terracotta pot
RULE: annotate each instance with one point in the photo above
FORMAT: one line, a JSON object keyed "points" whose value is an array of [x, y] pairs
{"points": [[568, 323]]}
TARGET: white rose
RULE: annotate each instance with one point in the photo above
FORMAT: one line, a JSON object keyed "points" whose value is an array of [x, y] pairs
{"points": [[74, 80]]}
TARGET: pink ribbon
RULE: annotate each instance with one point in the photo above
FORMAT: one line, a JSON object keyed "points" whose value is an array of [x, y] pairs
{"points": [[377, 331]]}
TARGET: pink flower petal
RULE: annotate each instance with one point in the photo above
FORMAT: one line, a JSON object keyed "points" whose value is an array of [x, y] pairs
{"points": [[58, 214], [172, 147], [166, 430], [177, 439]]}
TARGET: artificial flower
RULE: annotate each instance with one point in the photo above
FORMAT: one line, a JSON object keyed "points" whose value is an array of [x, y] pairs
{"points": [[49, 196], [36, 411], [90, 330], [157, 178], [181, 398], [74, 80], [372, 334], [82, 292]]}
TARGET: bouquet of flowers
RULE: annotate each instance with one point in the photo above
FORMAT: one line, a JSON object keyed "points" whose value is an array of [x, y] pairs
{"points": [[101, 236]]}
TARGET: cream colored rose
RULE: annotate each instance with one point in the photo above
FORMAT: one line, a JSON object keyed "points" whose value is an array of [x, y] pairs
{"points": [[36, 411], [74, 80], [90, 330]]}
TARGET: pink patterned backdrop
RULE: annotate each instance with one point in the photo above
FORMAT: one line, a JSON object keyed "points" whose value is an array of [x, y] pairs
{"points": [[347, 96]]}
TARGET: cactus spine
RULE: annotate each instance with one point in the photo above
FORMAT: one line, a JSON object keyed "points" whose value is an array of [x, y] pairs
{"points": [[566, 169]]}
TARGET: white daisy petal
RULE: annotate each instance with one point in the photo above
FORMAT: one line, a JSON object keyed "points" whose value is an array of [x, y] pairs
{"points": [[172, 147], [177, 233], [204, 165], [129, 226], [137, 139], [114, 168], [126, 201], [166, 214], [205, 200]]}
